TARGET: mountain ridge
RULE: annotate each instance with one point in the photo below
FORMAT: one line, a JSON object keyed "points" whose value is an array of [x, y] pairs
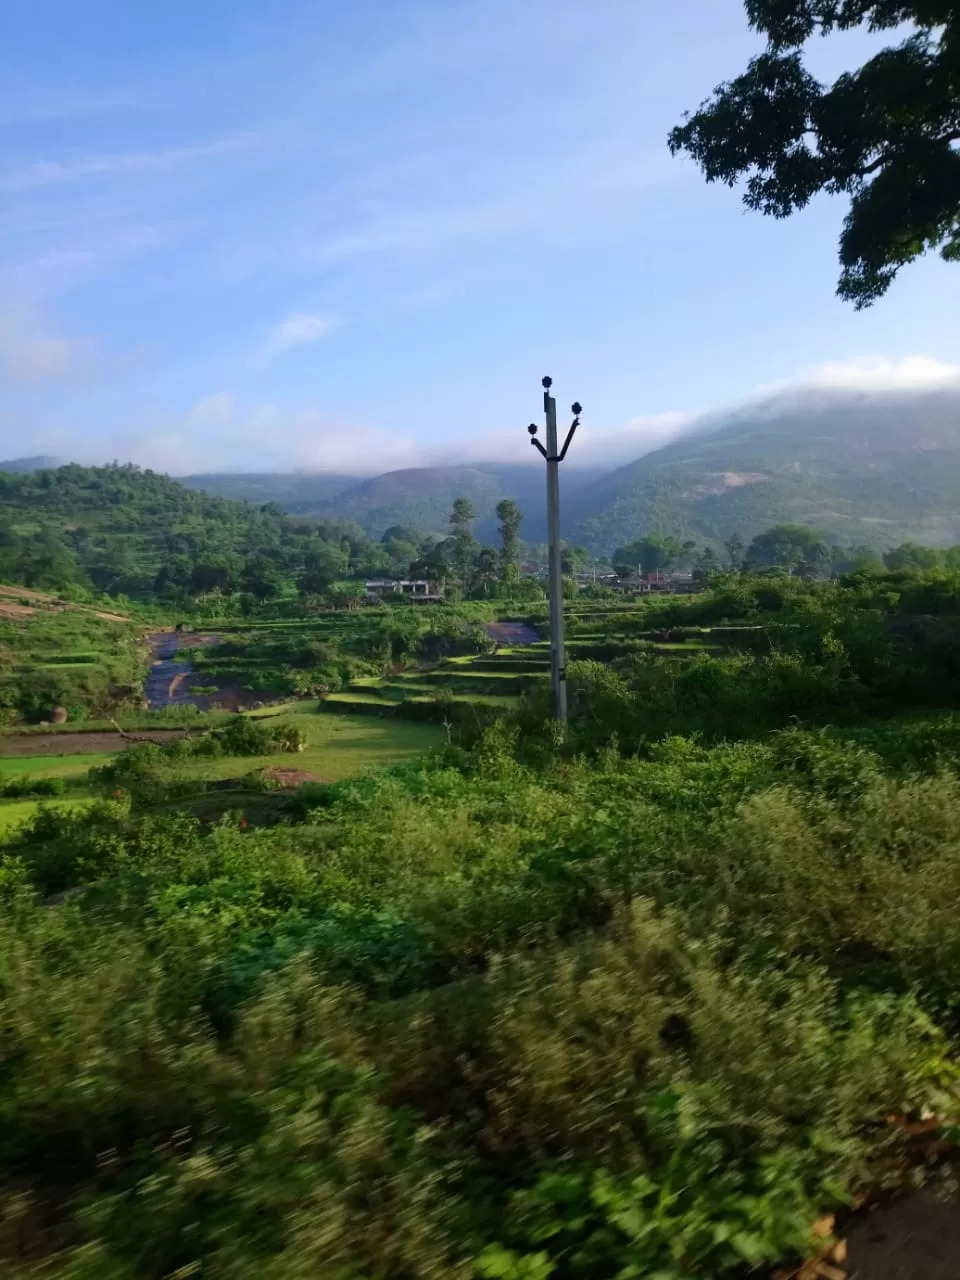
{"points": [[874, 469], [870, 468]]}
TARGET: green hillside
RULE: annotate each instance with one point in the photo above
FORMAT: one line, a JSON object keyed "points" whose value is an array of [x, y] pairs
{"points": [[300, 493], [421, 497], [415, 497], [115, 528], [871, 470], [39, 463]]}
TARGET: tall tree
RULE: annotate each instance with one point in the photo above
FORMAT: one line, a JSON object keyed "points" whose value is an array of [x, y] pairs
{"points": [[510, 517], [885, 134], [323, 564], [572, 560], [461, 531], [649, 554], [487, 569], [790, 546], [909, 555], [705, 564], [734, 549]]}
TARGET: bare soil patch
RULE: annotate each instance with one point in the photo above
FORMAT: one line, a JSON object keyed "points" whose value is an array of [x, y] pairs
{"points": [[47, 601], [76, 744], [195, 640], [292, 777], [27, 594], [511, 633], [915, 1237], [106, 617], [232, 697]]}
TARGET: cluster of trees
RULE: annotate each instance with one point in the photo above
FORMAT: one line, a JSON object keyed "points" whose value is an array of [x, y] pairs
{"points": [[790, 548], [125, 532], [475, 570]]}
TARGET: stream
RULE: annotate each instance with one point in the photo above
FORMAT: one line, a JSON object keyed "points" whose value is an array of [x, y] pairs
{"points": [[170, 677]]}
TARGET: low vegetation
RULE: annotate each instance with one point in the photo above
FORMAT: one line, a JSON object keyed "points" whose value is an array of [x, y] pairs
{"points": [[54, 655], [649, 1000]]}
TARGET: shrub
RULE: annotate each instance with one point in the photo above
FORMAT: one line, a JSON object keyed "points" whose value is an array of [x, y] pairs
{"points": [[15, 788]]}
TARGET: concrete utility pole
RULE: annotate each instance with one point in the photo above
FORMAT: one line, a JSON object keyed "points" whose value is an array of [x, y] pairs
{"points": [[558, 669]]}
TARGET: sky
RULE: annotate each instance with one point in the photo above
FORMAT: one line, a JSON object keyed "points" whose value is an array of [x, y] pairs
{"points": [[267, 234]]}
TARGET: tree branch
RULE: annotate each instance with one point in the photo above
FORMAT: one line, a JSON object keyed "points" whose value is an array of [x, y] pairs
{"points": [[880, 161]]}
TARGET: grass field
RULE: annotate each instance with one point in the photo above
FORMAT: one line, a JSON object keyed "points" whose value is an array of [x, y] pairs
{"points": [[13, 812], [49, 766], [337, 747]]}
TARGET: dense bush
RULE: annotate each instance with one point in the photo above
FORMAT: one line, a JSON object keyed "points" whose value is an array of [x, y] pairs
{"points": [[479, 1019], [16, 788]]}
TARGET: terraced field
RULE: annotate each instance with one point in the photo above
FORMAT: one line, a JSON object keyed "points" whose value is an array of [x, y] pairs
{"points": [[502, 677], [493, 680], [393, 672]]}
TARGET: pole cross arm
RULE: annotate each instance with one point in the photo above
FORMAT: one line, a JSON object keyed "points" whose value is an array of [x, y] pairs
{"points": [[566, 443], [537, 445]]}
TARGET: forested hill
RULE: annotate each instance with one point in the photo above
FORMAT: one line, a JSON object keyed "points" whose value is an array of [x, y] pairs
{"points": [[298, 492], [415, 497], [874, 470], [125, 531], [41, 462]]}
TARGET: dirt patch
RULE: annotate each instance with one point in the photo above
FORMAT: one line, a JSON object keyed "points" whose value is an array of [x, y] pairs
{"points": [[235, 698], [723, 481], [27, 594], [45, 600], [106, 617], [79, 744], [511, 633], [191, 640], [916, 1237], [288, 778]]}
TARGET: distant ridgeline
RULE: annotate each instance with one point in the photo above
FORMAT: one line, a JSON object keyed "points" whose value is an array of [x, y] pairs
{"points": [[876, 470], [867, 473], [40, 463]]}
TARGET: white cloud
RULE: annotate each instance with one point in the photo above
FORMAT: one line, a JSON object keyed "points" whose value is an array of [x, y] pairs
{"points": [[644, 434], [835, 381], [863, 375], [61, 267], [218, 434], [58, 104], [29, 353], [912, 373], [298, 330], [42, 173], [212, 410]]}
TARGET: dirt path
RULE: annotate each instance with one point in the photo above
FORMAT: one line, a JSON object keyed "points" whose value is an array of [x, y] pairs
{"points": [[44, 600], [913, 1238], [79, 744]]}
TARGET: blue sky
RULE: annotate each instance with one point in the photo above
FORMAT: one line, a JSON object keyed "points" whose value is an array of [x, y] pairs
{"points": [[267, 233]]}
